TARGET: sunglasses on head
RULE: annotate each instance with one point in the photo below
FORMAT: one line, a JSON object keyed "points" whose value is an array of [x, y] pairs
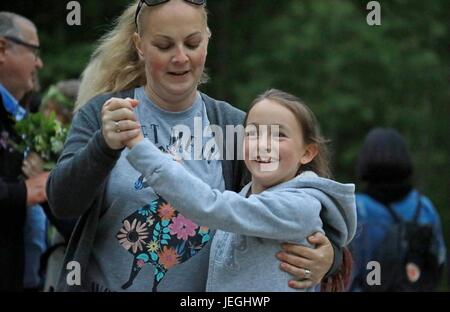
{"points": [[156, 2]]}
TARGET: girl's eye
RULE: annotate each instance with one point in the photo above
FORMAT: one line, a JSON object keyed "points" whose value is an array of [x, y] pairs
{"points": [[278, 135]]}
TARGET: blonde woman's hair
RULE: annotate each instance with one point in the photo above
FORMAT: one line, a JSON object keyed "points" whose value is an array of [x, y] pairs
{"points": [[115, 64], [309, 125]]}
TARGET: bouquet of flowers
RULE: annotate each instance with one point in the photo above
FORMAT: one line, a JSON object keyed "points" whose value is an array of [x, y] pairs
{"points": [[43, 135]]}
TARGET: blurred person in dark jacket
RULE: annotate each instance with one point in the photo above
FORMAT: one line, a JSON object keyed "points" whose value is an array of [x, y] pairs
{"points": [[19, 62]]}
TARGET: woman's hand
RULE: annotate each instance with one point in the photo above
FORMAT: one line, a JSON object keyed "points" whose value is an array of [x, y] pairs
{"points": [[33, 165], [307, 265], [119, 122]]}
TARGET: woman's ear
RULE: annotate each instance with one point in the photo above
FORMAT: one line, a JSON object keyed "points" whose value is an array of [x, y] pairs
{"points": [[138, 45], [309, 154]]}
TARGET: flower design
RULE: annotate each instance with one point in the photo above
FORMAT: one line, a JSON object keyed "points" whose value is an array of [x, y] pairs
{"points": [[145, 211], [182, 227], [150, 221], [140, 263], [203, 230], [166, 211], [168, 257], [132, 235], [153, 246]]}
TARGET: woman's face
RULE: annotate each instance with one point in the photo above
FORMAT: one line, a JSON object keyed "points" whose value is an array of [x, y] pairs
{"points": [[173, 44]]}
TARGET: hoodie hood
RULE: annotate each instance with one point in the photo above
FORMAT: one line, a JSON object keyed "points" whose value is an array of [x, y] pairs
{"points": [[338, 212]]}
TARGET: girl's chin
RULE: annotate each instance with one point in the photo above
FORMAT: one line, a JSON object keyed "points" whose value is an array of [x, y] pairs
{"points": [[264, 178]]}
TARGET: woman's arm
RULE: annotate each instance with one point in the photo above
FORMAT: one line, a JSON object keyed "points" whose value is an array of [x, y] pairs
{"points": [[84, 165], [284, 215], [322, 261]]}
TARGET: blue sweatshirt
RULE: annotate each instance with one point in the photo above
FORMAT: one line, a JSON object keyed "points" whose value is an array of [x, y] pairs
{"points": [[251, 229]]}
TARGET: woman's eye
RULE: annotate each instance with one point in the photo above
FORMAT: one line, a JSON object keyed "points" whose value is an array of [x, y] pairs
{"points": [[192, 46], [163, 47]]}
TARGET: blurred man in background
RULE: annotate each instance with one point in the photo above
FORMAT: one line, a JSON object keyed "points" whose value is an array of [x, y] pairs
{"points": [[19, 62]]}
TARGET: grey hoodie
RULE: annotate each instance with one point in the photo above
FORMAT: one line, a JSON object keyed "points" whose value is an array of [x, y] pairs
{"points": [[242, 257]]}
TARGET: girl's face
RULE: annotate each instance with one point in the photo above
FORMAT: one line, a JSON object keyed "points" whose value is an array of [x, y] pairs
{"points": [[274, 148], [173, 45]]}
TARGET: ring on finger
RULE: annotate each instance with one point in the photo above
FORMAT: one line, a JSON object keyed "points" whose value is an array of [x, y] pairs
{"points": [[307, 273], [117, 127]]}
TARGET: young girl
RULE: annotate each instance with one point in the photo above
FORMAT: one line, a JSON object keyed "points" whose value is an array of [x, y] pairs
{"points": [[289, 197]]}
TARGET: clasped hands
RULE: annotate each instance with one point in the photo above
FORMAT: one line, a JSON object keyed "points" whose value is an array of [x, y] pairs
{"points": [[120, 126]]}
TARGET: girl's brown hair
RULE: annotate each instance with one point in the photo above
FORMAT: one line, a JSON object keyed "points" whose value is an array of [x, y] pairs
{"points": [[309, 125]]}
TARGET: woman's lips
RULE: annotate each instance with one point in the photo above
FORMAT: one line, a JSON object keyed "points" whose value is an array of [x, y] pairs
{"points": [[179, 73]]}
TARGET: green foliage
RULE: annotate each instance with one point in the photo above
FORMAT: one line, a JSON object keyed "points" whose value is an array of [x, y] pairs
{"points": [[43, 135]]}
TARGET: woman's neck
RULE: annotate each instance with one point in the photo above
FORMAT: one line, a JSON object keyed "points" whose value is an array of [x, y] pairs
{"points": [[175, 105]]}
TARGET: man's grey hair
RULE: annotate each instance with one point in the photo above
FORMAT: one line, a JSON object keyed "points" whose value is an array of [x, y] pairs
{"points": [[8, 24]]}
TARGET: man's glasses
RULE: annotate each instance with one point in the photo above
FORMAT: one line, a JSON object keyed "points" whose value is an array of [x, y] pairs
{"points": [[32, 47], [156, 2]]}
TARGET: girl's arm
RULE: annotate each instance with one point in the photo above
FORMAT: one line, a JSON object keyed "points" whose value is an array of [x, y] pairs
{"points": [[284, 215]]}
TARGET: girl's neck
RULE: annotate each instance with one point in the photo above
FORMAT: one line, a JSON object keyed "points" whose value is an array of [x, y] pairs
{"points": [[171, 106], [257, 188]]}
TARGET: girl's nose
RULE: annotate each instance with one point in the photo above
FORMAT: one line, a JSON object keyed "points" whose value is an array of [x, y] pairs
{"points": [[264, 142]]}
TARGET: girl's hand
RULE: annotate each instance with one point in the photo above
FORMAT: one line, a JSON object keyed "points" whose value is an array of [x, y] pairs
{"points": [[133, 142], [119, 122], [307, 265]]}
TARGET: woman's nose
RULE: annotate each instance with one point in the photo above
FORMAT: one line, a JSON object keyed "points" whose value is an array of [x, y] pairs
{"points": [[180, 56]]}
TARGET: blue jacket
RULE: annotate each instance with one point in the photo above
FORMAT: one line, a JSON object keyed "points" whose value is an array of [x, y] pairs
{"points": [[374, 220]]}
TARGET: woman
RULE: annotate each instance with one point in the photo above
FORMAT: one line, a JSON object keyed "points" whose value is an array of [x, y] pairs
{"points": [[156, 55]]}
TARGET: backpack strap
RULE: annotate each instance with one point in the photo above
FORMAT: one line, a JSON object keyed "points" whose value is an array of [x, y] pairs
{"points": [[418, 208], [395, 216], [415, 218]]}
